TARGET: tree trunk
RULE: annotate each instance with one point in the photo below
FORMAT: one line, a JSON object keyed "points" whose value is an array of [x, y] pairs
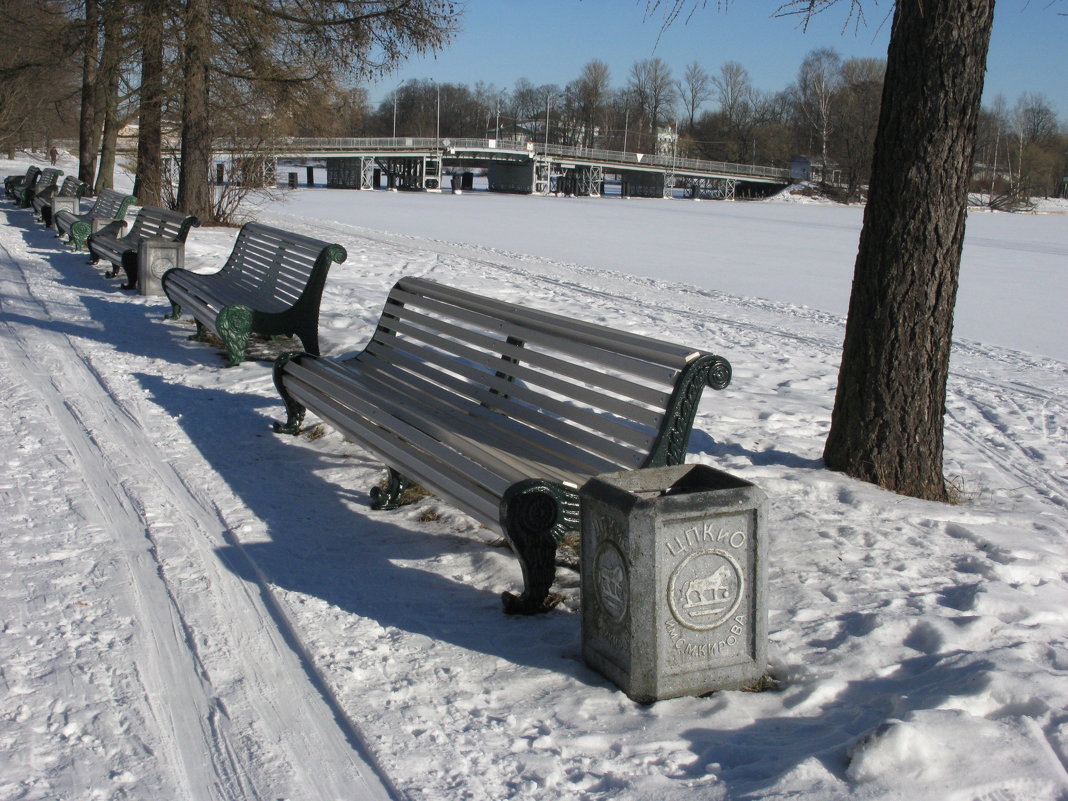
{"points": [[148, 186], [888, 419], [194, 189], [86, 134], [107, 99]]}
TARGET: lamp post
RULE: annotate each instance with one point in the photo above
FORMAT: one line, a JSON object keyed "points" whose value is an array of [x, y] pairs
{"points": [[438, 134]]}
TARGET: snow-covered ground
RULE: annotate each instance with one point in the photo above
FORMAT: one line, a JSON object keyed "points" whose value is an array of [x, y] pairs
{"points": [[196, 608]]}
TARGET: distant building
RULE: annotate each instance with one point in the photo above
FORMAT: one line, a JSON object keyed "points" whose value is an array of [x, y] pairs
{"points": [[814, 168]]}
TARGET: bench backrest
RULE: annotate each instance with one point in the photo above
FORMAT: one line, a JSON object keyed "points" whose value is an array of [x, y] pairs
{"points": [[617, 400], [23, 180], [279, 264], [153, 222], [71, 187], [111, 204], [48, 177]]}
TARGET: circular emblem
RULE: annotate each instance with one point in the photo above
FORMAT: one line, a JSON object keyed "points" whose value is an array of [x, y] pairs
{"points": [[705, 589], [610, 570], [160, 265]]}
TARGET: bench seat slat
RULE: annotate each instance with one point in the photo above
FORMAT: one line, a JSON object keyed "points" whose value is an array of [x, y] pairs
{"points": [[524, 435], [495, 462]]}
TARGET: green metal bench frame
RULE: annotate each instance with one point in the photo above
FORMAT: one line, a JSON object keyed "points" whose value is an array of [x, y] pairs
{"points": [[271, 284], [121, 250], [110, 205], [15, 182], [503, 411], [42, 201], [24, 195]]}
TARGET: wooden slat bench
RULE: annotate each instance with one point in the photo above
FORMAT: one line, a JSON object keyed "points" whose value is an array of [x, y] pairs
{"points": [[42, 201], [23, 195], [271, 284], [121, 250], [14, 182], [110, 205], [503, 411]]}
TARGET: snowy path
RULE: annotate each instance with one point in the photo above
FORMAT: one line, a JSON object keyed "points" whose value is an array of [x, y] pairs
{"points": [[142, 652]]}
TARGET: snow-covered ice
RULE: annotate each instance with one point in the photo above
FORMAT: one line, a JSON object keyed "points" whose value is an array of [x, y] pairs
{"points": [[197, 608]]}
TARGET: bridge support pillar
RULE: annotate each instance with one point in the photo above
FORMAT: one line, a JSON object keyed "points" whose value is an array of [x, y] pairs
{"points": [[512, 178], [644, 184], [589, 181]]}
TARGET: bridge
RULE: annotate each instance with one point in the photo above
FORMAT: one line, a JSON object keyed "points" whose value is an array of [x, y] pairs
{"points": [[520, 165]]}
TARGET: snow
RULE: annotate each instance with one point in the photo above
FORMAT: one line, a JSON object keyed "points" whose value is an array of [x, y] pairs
{"points": [[197, 608]]}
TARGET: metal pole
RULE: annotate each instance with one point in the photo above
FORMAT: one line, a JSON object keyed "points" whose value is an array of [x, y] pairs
{"points": [[439, 111], [395, 113], [626, 123], [546, 122]]}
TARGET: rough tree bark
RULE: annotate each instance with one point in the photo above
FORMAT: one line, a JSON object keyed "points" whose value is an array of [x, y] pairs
{"points": [[86, 124], [148, 185], [106, 135], [194, 188], [888, 419]]}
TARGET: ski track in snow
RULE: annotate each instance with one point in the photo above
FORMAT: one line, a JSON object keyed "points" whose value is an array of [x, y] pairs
{"points": [[205, 647]]}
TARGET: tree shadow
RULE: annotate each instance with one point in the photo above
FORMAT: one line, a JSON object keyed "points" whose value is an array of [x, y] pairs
{"points": [[700, 442], [325, 542]]}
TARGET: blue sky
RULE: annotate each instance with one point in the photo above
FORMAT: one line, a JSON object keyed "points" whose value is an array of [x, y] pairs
{"points": [[549, 41]]}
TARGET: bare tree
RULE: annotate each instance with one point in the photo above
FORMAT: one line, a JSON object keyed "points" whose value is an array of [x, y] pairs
{"points": [[818, 80], [591, 92], [653, 92], [693, 90]]}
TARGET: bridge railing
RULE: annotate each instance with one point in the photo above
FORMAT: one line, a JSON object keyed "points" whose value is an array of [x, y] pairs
{"points": [[614, 157]]}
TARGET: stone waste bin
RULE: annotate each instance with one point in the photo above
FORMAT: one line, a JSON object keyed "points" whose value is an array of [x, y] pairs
{"points": [[674, 581], [154, 258], [69, 204]]}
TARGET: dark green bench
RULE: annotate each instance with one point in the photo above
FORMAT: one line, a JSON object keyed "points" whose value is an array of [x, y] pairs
{"points": [[121, 250], [42, 201], [110, 205], [24, 194], [272, 284], [15, 182], [503, 411]]}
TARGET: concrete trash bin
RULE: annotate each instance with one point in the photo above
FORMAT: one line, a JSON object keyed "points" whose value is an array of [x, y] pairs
{"points": [[154, 258], [674, 581]]}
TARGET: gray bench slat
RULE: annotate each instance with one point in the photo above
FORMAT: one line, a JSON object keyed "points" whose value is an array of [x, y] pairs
{"points": [[490, 404], [511, 392], [427, 426], [526, 437], [640, 367], [547, 377], [436, 472], [525, 353], [608, 339], [217, 295]]}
